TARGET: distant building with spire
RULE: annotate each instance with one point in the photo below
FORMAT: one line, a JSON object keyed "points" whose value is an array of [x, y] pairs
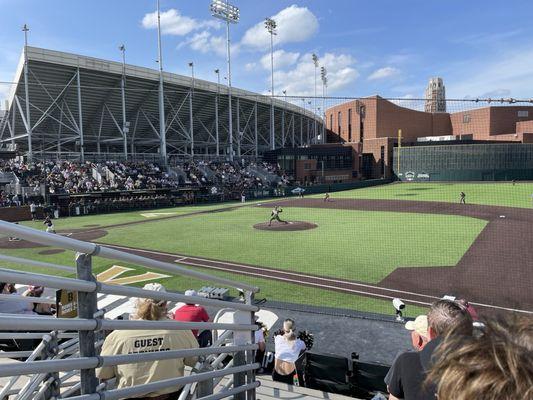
{"points": [[435, 96]]}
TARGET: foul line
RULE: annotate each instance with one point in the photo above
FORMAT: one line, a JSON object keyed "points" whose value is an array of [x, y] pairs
{"points": [[182, 259]]}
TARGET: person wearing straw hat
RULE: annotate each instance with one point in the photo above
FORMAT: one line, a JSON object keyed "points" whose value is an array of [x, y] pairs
{"points": [[147, 341]]}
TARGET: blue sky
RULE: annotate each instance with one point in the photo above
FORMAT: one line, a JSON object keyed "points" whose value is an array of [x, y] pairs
{"points": [[392, 48]]}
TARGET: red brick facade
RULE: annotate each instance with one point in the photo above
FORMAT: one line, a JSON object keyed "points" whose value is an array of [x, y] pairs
{"points": [[374, 122]]}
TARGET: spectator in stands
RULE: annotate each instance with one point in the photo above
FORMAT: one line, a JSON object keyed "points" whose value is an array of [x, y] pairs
{"points": [[33, 211], [288, 349], [150, 340], [259, 339], [192, 312], [419, 338], [38, 308], [409, 370], [495, 365], [13, 306]]}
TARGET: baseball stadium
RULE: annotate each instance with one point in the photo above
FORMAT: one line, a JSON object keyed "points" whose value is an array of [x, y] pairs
{"points": [[125, 187]]}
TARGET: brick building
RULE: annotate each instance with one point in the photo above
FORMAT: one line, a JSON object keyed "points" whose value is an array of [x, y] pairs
{"points": [[373, 122]]}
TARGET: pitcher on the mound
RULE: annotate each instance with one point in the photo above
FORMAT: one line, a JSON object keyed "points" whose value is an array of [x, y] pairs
{"points": [[274, 215]]}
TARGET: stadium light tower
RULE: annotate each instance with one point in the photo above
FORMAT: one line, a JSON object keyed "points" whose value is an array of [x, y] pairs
{"points": [[217, 71], [125, 124], [25, 29], [162, 126], [324, 77], [191, 116], [271, 26], [230, 14], [315, 62]]}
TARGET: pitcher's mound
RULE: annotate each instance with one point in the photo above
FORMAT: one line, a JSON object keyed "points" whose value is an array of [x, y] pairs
{"points": [[290, 226]]}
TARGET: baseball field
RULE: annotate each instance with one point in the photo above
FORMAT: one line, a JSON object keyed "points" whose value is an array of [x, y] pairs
{"points": [[411, 240]]}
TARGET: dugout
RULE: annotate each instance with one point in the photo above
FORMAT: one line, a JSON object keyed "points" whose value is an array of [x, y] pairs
{"points": [[464, 162]]}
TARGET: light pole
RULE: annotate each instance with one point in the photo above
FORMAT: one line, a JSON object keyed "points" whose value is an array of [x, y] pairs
{"points": [[25, 29], [271, 26], [191, 116], [217, 71], [162, 127], [315, 62], [125, 127], [229, 13], [324, 77]]}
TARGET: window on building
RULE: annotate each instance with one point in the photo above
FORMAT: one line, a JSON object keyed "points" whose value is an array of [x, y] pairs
{"points": [[466, 118], [523, 114], [383, 161], [349, 125], [339, 116], [331, 121], [361, 123]]}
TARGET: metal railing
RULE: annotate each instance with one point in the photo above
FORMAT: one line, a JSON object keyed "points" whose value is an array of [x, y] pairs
{"points": [[53, 366]]}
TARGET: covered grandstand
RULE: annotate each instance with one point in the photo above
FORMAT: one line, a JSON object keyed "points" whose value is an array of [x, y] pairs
{"points": [[75, 108]]}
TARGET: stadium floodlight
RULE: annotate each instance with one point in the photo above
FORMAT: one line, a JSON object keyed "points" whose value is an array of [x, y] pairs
{"points": [[271, 26], [324, 77], [125, 128], [162, 124], [315, 62], [25, 29], [230, 14]]}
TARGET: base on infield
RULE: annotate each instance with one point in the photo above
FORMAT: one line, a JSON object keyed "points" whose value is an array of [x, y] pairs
{"points": [[289, 226]]}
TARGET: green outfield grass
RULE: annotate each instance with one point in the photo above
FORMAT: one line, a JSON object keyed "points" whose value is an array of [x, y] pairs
{"points": [[358, 245], [495, 194]]}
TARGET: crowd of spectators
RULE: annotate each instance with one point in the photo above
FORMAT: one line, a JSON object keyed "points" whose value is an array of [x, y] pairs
{"points": [[452, 358], [73, 177]]}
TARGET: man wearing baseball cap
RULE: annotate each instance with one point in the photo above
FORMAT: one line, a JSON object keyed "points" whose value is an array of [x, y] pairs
{"points": [[419, 331], [419, 338]]}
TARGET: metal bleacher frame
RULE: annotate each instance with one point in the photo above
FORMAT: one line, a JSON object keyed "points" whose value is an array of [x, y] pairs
{"points": [[78, 353]]}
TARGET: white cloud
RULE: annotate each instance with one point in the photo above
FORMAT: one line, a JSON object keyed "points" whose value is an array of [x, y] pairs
{"points": [[382, 73], [173, 23], [251, 66], [300, 80], [205, 42], [295, 24], [282, 59]]}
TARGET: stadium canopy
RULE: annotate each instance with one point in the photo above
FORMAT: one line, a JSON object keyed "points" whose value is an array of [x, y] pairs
{"points": [[73, 109]]}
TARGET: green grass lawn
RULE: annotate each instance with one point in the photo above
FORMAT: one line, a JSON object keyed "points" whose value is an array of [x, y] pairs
{"points": [[359, 245], [271, 290], [349, 244], [496, 194]]}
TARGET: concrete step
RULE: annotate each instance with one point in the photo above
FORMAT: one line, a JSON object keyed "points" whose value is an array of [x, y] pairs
{"points": [[270, 389]]}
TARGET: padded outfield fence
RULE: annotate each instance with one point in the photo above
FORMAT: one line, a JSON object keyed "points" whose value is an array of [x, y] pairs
{"points": [[54, 364]]}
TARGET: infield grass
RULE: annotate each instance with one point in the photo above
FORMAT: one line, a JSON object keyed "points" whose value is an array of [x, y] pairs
{"points": [[358, 245]]}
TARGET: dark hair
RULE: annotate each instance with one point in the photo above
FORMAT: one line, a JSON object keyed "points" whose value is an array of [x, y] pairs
{"points": [[2, 286]]}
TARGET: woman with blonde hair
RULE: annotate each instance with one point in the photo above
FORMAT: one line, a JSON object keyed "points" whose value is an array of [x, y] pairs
{"points": [[146, 341], [494, 365], [288, 349]]}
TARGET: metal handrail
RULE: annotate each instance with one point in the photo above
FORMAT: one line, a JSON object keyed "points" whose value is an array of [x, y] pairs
{"points": [[81, 352], [30, 278], [51, 239]]}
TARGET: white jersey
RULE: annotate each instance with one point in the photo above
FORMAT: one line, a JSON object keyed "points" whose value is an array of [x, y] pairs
{"points": [[275, 212]]}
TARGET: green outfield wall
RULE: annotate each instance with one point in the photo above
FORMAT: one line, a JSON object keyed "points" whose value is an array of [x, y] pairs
{"points": [[465, 162]]}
